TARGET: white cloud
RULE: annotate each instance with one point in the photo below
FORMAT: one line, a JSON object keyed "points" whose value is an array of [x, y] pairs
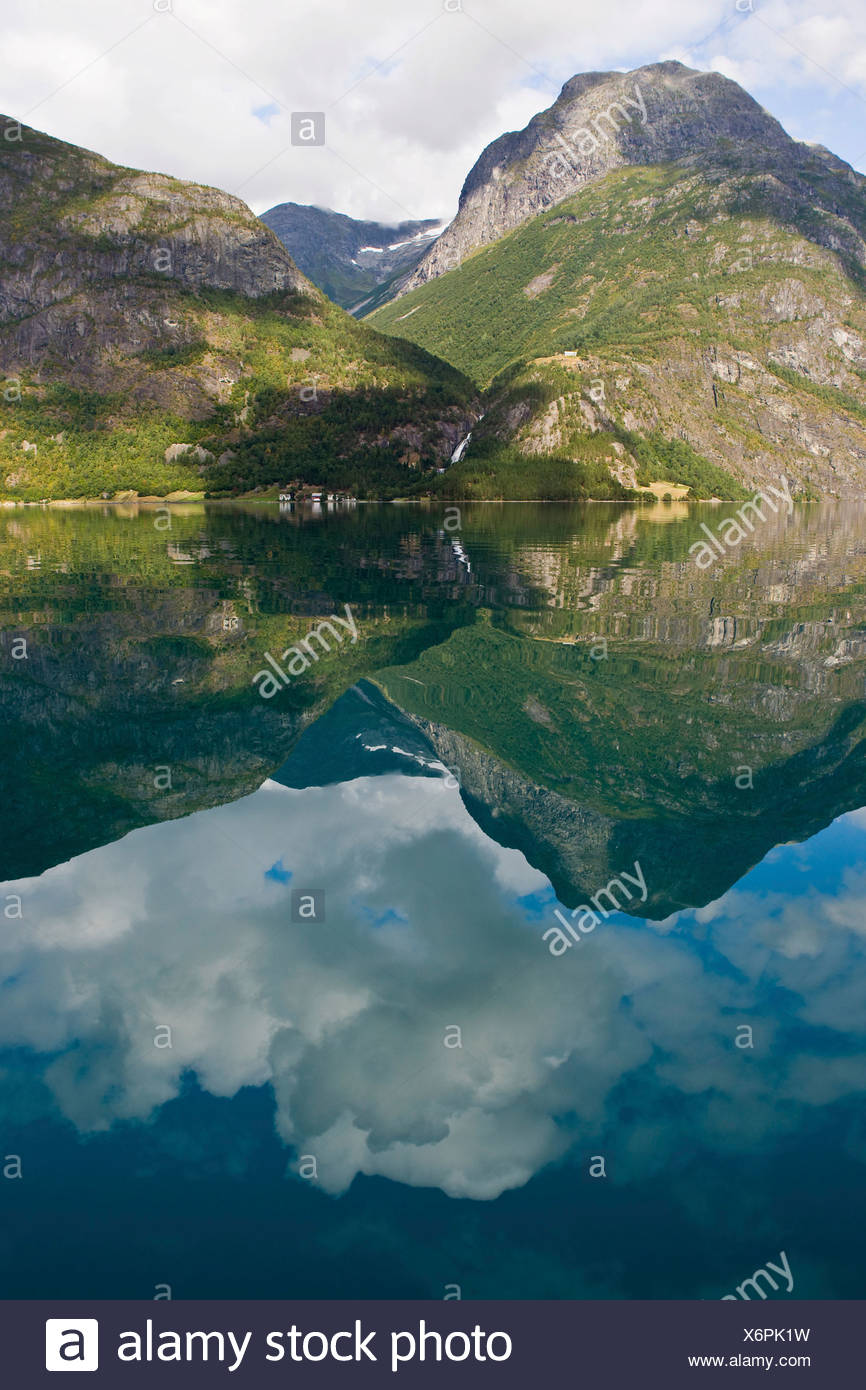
{"points": [[412, 92], [178, 924]]}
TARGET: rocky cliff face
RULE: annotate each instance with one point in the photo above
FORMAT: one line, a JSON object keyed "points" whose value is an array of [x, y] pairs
{"points": [[603, 121], [142, 316], [92, 254], [691, 286], [357, 264]]}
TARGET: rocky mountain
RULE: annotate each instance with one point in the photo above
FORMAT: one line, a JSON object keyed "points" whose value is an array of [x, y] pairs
{"points": [[156, 336], [603, 121], [655, 285], [358, 264]]}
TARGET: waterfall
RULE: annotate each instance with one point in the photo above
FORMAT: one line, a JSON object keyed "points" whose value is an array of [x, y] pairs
{"points": [[461, 448]]}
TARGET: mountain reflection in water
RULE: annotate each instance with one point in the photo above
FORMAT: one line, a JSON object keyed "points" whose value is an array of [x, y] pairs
{"points": [[503, 741]]}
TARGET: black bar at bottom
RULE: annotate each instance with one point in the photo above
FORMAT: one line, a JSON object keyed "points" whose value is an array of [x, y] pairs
{"points": [[596, 1345]]}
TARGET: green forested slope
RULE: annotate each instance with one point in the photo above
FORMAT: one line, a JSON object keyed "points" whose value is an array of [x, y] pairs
{"points": [[666, 322]]}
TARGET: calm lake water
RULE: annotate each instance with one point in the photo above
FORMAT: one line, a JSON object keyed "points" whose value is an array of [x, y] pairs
{"points": [[290, 1007]]}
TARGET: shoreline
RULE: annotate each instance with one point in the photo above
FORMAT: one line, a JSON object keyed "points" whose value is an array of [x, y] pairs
{"points": [[70, 503]]}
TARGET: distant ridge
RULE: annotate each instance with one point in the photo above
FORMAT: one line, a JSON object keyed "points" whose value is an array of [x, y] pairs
{"points": [[358, 264]]}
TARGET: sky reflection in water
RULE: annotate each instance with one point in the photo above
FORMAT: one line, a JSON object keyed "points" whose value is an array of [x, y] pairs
{"points": [[624, 1047]]}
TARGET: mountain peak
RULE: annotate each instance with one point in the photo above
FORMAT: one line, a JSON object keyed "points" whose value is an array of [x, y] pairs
{"points": [[671, 68], [657, 114]]}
